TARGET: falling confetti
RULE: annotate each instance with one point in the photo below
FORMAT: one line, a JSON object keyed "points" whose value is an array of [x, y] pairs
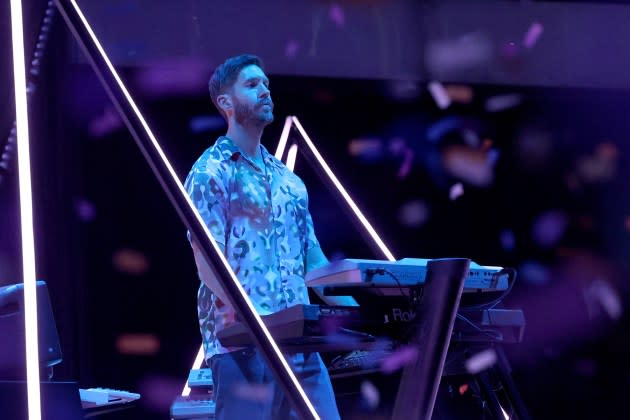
{"points": [[468, 164], [481, 361], [291, 49], [508, 241], [106, 123], [457, 190], [601, 292], [460, 93], [414, 213], [439, 94], [534, 273], [138, 344], [130, 261], [398, 359], [336, 14], [366, 148], [532, 35], [503, 102], [85, 210], [370, 394], [549, 228]]}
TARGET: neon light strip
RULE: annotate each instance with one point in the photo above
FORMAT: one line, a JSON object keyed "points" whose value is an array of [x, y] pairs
{"points": [[368, 227], [282, 143], [291, 156], [196, 365], [217, 250], [26, 214]]}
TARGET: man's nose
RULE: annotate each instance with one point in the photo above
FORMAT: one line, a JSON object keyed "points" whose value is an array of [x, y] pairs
{"points": [[264, 91]]}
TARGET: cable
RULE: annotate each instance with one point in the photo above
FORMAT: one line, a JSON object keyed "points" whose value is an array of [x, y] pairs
{"points": [[371, 272], [7, 155], [489, 305], [493, 334]]}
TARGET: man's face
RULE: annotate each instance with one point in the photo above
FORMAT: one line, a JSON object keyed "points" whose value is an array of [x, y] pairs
{"points": [[251, 97]]}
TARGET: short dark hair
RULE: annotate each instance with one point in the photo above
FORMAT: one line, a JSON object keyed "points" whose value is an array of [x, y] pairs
{"points": [[225, 75]]}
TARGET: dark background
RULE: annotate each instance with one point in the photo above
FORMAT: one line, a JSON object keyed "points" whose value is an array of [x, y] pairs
{"points": [[556, 206]]}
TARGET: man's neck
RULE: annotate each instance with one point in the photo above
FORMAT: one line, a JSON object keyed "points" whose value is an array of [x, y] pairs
{"points": [[246, 138]]}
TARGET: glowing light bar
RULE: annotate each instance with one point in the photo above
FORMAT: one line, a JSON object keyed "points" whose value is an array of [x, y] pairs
{"points": [[171, 171], [366, 224], [196, 365], [284, 136], [291, 156], [26, 214]]}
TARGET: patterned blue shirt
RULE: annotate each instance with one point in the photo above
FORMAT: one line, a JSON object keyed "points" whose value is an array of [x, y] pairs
{"points": [[260, 219]]}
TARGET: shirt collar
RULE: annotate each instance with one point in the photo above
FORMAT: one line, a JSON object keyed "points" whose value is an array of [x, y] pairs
{"points": [[229, 149]]}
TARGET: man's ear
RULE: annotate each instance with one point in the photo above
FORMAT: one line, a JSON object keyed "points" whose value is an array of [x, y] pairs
{"points": [[225, 102]]}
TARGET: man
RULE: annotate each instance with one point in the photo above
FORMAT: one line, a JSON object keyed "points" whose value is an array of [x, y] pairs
{"points": [[257, 211]]}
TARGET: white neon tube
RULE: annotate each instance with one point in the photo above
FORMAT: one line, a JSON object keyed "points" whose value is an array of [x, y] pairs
{"points": [[284, 136], [196, 365], [171, 171], [291, 156], [26, 214], [366, 224]]}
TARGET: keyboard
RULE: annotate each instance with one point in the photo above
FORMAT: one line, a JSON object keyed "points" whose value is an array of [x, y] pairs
{"points": [[193, 407], [407, 272]]}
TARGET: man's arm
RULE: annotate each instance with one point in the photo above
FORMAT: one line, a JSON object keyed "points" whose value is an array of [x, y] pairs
{"points": [[315, 258], [209, 278]]}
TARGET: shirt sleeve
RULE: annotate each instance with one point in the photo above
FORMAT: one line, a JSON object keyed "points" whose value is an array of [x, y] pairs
{"points": [[311, 238], [207, 191]]}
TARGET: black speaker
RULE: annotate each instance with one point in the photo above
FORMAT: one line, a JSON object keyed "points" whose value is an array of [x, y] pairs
{"points": [[12, 350], [59, 401]]}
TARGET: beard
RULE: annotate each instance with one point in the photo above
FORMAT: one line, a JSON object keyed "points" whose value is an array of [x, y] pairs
{"points": [[252, 115]]}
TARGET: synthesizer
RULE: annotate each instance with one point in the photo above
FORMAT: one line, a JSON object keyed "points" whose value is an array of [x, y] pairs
{"points": [[407, 272], [323, 328], [326, 328]]}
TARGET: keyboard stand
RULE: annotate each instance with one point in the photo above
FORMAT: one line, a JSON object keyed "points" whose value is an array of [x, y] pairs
{"points": [[496, 379], [436, 311]]}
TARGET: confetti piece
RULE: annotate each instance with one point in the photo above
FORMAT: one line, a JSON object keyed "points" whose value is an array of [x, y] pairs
{"points": [[104, 124], [549, 228], [457, 190], [481, 361], [439, 94], [507, 240], [130, 261], [470, 165], [370, 394], [413, 213], [85, 210], [405, 166], [503, 102], [137, 344], [336, 14], [291, 49], [627, 223], [462, 389], [459, 93], [398, 359], [533, 34], [534, 273], [602, 292], [367, 148]]}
